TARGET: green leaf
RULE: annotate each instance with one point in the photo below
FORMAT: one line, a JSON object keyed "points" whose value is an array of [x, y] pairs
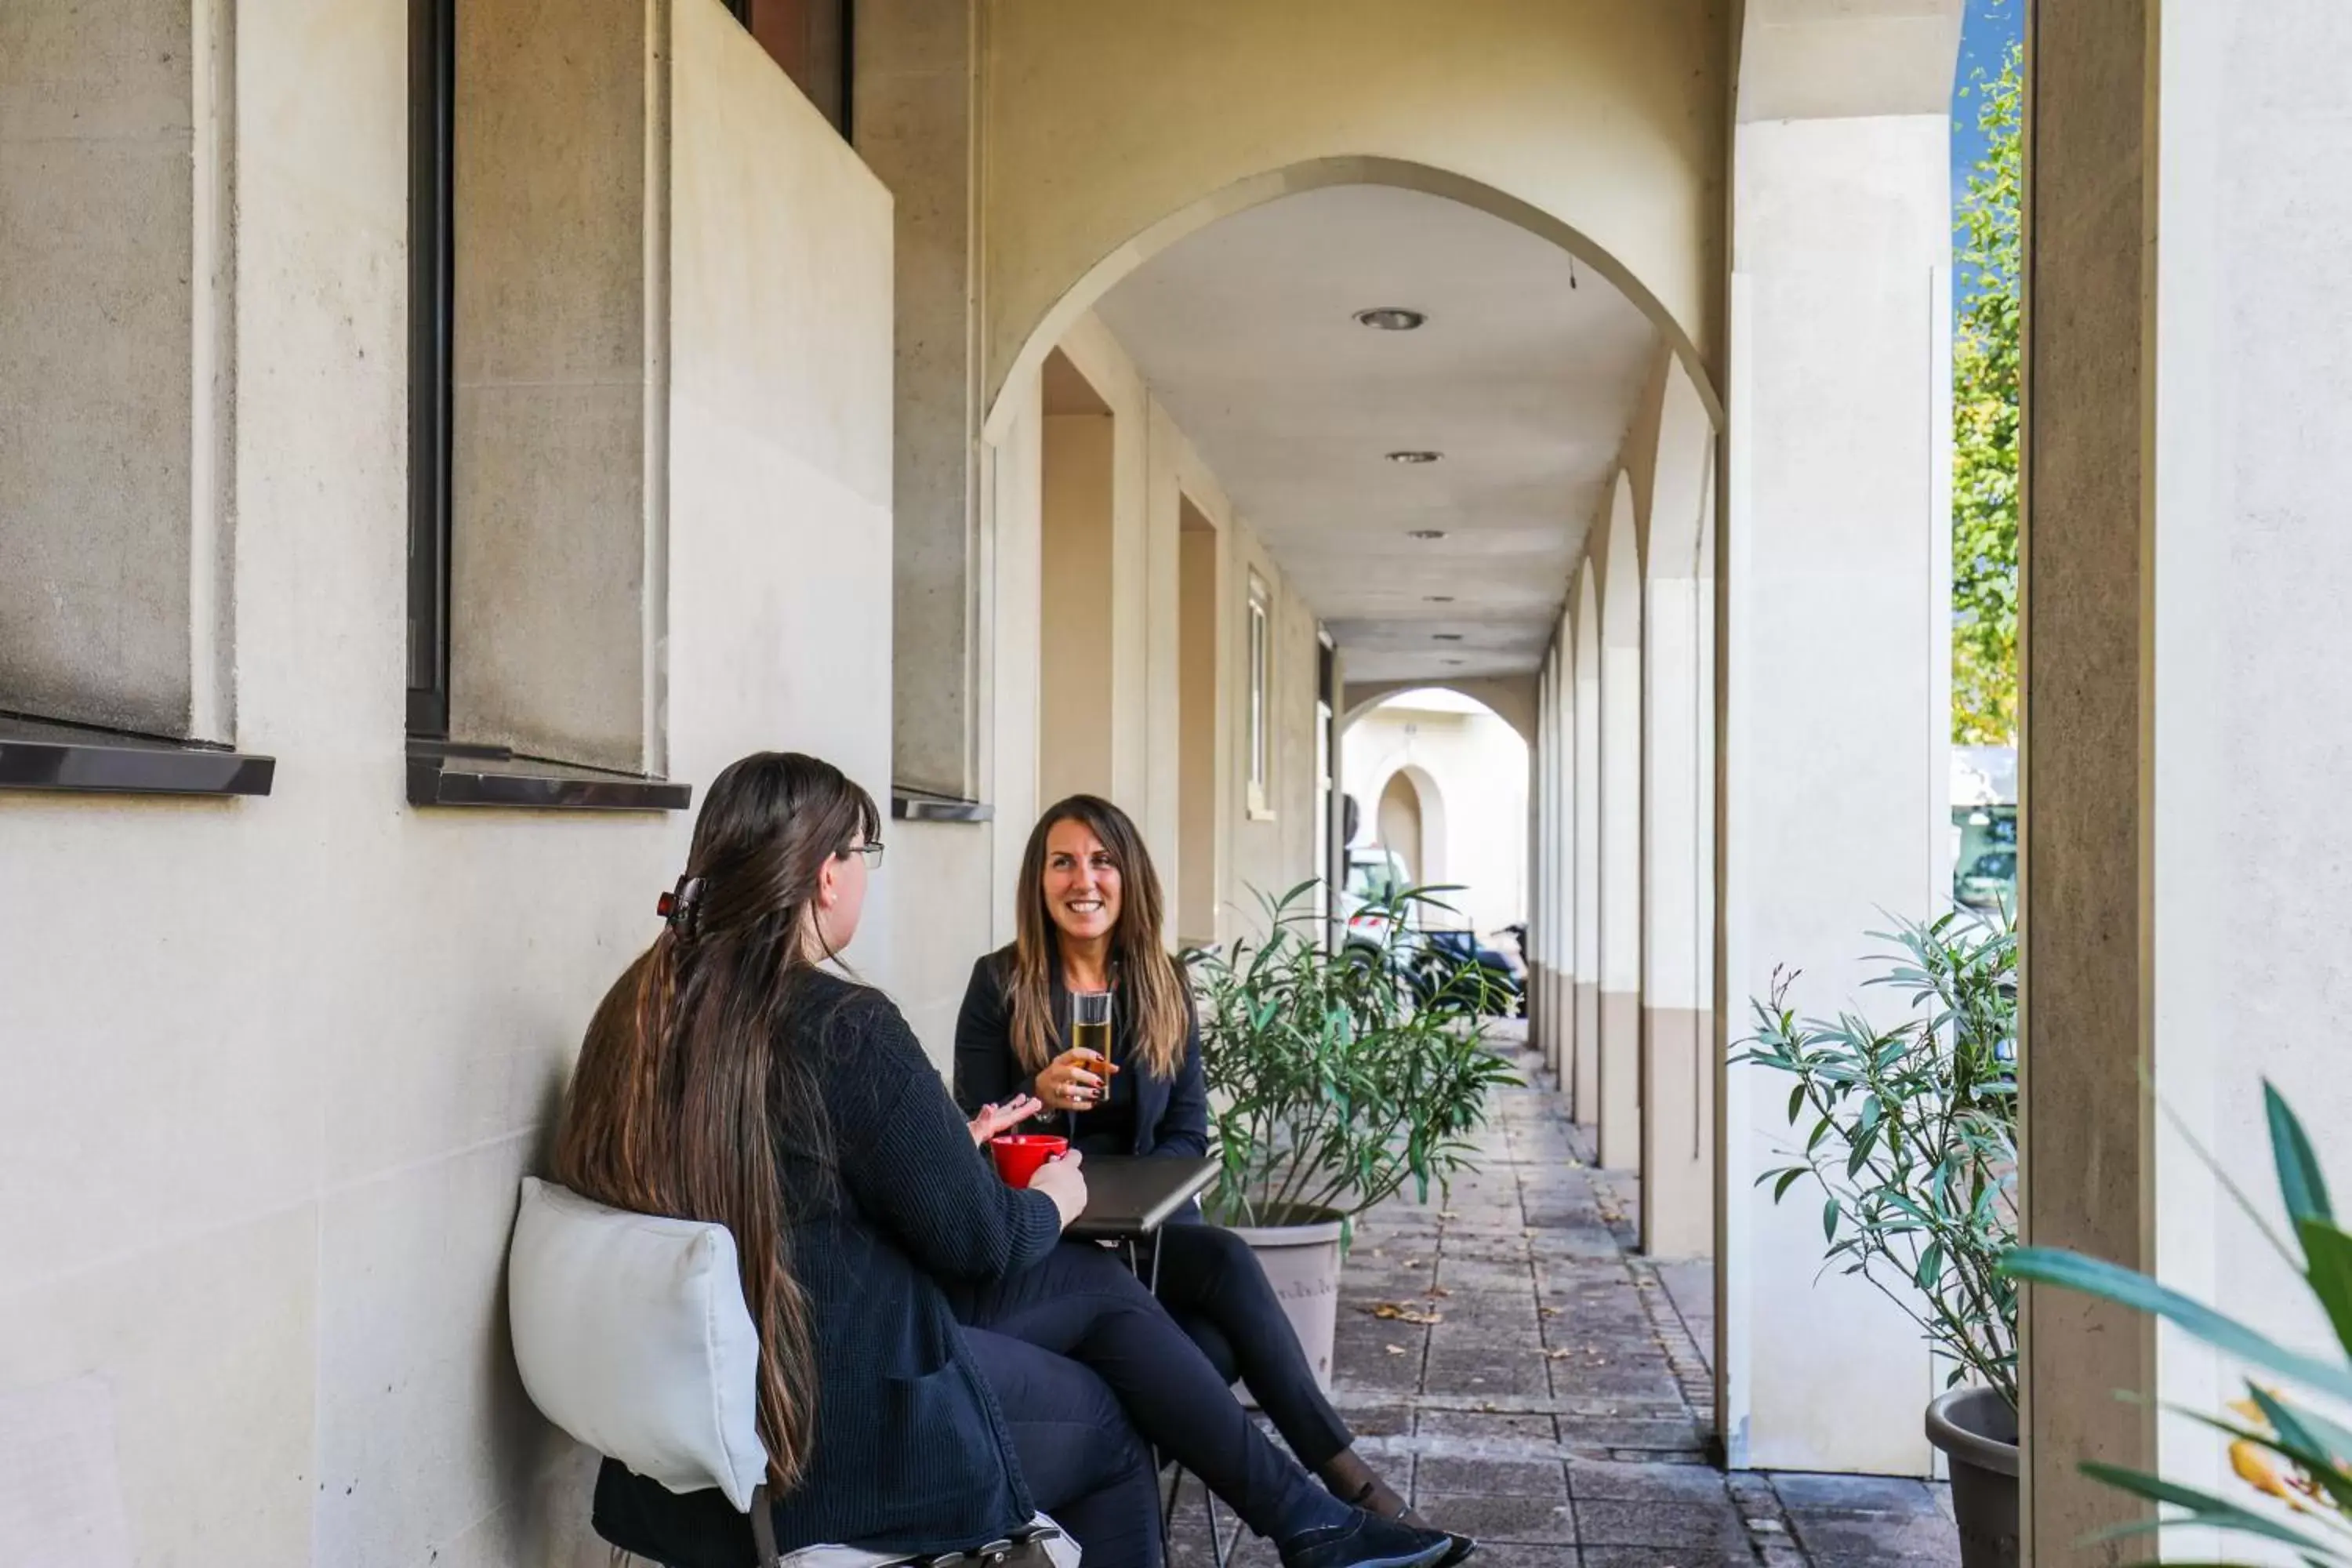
{"points": [[1931, 1266], [1830, 1219], [2203, 1508], [2112, 1282], [1796, 1102], [2327, 1252], [1781, 1189], [2300, 1180]]}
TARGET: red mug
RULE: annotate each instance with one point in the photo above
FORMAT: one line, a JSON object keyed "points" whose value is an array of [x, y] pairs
{"points": [[1018, 1155]]}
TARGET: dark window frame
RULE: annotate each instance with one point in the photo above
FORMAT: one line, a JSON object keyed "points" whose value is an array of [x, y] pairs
{"points": [[843, 84], [432, 251]]}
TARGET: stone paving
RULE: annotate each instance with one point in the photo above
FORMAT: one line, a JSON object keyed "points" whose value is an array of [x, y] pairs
{"points": [[1557, 1406]]}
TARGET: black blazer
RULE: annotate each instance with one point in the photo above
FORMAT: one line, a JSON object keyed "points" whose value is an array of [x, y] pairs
{"points": [[911, 1452], [1172, 1115]]}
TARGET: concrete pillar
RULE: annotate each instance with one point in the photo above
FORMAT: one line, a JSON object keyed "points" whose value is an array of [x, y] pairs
{"points": [[1677, 886], [914, 119], [1543, 1003], [1584, 789], [1560, 860], [1620, 837], [1837, 653], [2186, 721]]}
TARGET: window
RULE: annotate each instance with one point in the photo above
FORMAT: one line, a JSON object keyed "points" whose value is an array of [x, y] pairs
{"points": [[432, 112], [810, 40], [1261, 718]]}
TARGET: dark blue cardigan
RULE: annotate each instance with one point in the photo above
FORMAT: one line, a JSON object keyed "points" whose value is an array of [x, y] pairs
{"points": [[911, 1453], [1172, 1115]]}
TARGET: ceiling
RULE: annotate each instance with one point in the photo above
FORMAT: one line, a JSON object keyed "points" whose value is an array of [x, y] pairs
{"points": [[1525, 377]]}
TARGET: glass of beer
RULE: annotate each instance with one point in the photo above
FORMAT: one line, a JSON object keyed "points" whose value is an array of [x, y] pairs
{"points": [[1090, 1029]]}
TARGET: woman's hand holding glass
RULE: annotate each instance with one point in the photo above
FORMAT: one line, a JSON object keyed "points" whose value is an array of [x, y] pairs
{"points": [[1074, 1080]]}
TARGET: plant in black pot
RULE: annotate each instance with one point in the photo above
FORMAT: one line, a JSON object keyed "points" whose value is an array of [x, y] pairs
{"points": [[1909, 1133], [1333, 1087]]}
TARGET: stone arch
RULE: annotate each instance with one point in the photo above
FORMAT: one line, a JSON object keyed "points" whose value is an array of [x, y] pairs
{"points": [[1426, 860], [1511, 700], [1319, 173]]}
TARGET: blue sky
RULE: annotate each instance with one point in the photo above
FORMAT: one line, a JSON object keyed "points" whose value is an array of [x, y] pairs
{"points": [[1992, 26]]}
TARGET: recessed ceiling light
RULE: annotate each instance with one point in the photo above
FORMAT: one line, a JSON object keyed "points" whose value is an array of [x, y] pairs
{"points": [[1390, 319], [1416, 457], [1445, 636], [1426, 533], [1437, 598]]}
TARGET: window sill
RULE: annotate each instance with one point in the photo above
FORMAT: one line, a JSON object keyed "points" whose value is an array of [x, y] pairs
{"points": [[920, 805], [446, 774], [36, 754]]}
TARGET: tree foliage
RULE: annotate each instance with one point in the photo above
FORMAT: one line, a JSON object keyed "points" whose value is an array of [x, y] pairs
{"points": [[1984, 422]]}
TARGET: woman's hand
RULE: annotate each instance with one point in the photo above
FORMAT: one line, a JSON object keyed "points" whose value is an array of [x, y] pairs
{"points": [[1074, 1080], [1063, 1181], [995, 1120]]}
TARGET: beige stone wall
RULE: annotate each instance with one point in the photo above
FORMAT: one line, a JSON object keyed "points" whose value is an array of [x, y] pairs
{"points": [[274, 1066]]}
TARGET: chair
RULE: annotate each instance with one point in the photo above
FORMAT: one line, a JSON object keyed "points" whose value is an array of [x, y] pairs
{"points": [[631, 1336]]}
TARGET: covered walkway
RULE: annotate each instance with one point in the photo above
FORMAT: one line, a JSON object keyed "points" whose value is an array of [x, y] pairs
{"points": [[1558, 1406]]}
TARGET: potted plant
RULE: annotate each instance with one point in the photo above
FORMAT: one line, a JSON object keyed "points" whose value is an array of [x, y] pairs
{"points": [[1331, 1087], [2296, 1460], [1910, 1137]]}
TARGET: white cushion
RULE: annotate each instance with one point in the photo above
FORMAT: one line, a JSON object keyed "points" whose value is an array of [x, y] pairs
{"points": [[631, 1336]]}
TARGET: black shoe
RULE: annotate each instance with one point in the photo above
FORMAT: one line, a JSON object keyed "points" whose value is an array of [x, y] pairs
{"points": [[1460, 1551], [1369, 1542]]}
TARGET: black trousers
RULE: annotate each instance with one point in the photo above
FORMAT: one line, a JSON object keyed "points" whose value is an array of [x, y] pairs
{"points": [[1214, 1286], [1083, 1302], [1083, 1461]]}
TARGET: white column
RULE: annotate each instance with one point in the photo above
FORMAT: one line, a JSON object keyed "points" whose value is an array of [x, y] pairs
{"points": [[1838, 626], [1621, 837], [1586, 789], [2187, 727], [1677, 889]]}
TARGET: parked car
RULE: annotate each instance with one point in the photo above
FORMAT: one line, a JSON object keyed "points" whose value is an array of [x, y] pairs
{"points": [[1376, 881], [1990, 882]]}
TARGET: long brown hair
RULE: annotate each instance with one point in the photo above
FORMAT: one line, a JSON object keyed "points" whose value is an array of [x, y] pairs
{"points": [[683, 1098], [1151, 989]]}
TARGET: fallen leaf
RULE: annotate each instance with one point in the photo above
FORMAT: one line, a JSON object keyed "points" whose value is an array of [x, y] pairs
{"points": [[1558, 1355], [1551, 1311], [1397, 1312], [1438, 1292], [1393, 1349], [1447, 1214]]}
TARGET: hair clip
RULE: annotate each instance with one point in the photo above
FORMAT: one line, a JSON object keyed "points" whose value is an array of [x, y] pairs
{"points": [[679, 905]]}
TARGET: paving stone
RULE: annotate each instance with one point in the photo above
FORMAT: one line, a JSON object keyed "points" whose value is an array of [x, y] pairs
{"points": [[1489, 1478], [1690, 1527], [1849, 1540], [1530, 1519], [1802, 1493], [1481, 1426], [1606, 1480], [1515, 1554]]}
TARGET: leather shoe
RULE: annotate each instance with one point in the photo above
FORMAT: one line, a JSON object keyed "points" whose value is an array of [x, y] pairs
{"points": [[1369, 1542]]}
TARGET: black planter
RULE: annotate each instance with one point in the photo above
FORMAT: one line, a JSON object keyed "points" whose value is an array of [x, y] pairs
{"points": [[1977, 1430]]}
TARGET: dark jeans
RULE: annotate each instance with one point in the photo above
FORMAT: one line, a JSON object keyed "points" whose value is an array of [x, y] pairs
{"points": [[1083, 1461], [1084, 1302], [1214, 1285]]}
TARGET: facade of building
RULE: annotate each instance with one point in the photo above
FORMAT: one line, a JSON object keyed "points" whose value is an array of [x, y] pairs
{"points": [[478, 424]]}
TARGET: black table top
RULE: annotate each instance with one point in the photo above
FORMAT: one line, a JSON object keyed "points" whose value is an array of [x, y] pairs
{"points": [[1131, 1195]]}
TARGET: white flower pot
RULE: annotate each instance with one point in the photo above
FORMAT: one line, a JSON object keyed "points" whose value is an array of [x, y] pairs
{"points": [[1302, 1264]]}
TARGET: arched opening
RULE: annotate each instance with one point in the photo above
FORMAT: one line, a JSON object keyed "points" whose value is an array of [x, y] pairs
{"points": [[1441, 782], [1399, 821], [1323, 174]]}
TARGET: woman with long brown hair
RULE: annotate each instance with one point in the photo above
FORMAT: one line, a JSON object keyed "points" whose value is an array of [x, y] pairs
{"points": [[1089, 920], [729, 1077]]}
